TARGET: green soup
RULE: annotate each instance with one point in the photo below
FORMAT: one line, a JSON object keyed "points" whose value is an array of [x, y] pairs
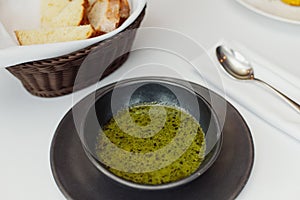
{"points": [[151, 144]]}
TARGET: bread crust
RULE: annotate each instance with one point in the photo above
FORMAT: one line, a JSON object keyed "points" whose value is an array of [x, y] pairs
{"points": [[84, 18], [124, 9], [104, 15]]}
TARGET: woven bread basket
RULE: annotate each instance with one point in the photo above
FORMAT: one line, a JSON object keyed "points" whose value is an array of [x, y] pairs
{"points": [[59, 76]]}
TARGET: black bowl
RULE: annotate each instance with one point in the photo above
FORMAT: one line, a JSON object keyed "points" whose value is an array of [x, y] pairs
{"points": [[143, 90]]}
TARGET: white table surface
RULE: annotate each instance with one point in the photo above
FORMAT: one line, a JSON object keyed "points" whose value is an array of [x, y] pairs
{"points": [[28, 123]]}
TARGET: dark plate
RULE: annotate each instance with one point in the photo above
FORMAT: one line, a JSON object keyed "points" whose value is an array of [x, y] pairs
{"points": [[78, 179]]}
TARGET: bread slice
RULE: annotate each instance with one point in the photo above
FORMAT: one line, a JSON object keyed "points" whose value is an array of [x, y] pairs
{"points": [[104, 15], [62, 13], [52, 35], [124, 9], [91, 4]]}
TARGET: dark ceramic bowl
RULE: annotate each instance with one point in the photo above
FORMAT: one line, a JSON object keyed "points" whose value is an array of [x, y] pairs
{"points": [[163, 91]]}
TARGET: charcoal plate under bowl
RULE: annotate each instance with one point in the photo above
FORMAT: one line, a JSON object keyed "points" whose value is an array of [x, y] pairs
{"points": [[78, 179]]}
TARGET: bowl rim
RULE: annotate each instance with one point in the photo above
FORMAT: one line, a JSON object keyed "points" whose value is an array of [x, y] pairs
{"points": [[153, 79]]}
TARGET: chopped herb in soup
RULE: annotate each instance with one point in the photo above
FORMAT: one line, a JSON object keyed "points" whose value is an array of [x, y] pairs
{"points": [[151, 144]]}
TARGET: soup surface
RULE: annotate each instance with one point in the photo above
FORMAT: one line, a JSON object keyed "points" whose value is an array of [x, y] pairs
{"points": [[151, 144]]}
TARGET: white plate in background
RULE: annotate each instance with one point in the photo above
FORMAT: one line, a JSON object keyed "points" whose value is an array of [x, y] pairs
{"points": [[274, 9]]}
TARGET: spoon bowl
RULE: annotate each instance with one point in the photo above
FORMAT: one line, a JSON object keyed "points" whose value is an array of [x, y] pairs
{"points": [[235, 63]]}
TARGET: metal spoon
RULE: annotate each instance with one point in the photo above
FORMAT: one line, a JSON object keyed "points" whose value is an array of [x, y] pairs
{"points": [[240, 68]]}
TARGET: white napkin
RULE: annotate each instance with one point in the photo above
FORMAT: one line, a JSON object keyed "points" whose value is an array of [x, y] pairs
{"points": [[258, 98], [20, 14]]}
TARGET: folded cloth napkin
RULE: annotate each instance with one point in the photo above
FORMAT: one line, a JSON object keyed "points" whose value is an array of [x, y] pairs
{"points": [[257, 97]]}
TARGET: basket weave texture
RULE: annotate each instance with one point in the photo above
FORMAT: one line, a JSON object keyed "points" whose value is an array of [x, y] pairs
{"points": [[59, 76]]}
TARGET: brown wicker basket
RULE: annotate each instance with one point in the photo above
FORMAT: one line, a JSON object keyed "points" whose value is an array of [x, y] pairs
{"points": [[59, 76]]}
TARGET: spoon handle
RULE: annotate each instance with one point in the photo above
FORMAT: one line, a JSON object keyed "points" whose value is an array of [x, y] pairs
{"points": [[295, 105]]}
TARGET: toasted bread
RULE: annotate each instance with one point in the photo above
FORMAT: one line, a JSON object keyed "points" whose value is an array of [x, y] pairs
{"points": [[91, 3], [104, 15], [124, 9], [52, 35], [67, 20]]}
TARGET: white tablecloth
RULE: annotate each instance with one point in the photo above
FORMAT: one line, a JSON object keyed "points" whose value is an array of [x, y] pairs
{"points": [[28, 123]]}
